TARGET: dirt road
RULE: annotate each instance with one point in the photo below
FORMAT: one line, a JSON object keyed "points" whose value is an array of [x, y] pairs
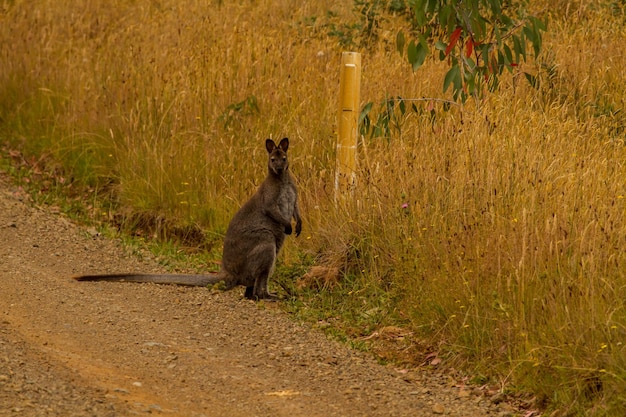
{"points": [[115, 349]]}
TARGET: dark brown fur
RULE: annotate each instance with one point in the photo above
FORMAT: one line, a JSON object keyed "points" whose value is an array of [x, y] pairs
{"points": [[253, 238]]}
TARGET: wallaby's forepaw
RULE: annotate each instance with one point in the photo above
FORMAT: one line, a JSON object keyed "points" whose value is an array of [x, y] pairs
{"points": [[288, 229], [298, 228]]}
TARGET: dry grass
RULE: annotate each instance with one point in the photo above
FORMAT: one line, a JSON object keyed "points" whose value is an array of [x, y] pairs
{"points": [[511, 249]]}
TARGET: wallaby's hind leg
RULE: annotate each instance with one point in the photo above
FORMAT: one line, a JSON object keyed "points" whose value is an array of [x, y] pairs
{"points": [[259, 291], [259, 295], [249, 294], [263, 268]]}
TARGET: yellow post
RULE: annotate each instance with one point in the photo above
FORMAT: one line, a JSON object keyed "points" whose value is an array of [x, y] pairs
{"points": [[347, 129]]}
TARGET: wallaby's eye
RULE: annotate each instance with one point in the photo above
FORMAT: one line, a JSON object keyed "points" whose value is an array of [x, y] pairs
{"points": [[284, 158], [272, 159]]}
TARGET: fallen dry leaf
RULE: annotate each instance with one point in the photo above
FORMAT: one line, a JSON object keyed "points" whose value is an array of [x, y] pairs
{"points": [[435, 361]]}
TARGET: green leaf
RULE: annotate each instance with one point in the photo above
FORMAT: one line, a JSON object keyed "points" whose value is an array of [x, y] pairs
{"points": [[496, 7], [421, 56], [508, 54], [470, 81], [507, 22], [501, 62], [444, 15], [431, 5], [534, 36], [401, 106], [411, 53], [453, 76], [484, 54], [496, 31], [471, 65], [519, 48], [422, 39], [400, 42], [479, 26], [538, 23], [420, 14], [416, 54], [537, 27], [440, 46], [365, 112], [529, 33], [532, 80]]}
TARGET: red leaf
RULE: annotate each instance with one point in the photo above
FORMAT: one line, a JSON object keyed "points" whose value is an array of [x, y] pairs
{"points": [[469, 48], [454, 37]]}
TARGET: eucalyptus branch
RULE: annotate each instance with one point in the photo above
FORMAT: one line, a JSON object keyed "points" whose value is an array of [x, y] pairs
{"points": [[437, 100]]}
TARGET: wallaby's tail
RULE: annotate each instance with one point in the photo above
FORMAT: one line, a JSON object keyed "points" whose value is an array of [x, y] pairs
{"points": [[195, 280]]}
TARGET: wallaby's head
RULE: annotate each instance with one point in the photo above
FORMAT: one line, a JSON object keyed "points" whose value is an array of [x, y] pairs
{"points": [[278, 161]]}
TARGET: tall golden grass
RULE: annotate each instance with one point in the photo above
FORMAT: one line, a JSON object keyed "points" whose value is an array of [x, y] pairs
{"points": [[500, 228]]}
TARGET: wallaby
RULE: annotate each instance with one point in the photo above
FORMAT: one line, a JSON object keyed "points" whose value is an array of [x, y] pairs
{"points": [[253, 238]]}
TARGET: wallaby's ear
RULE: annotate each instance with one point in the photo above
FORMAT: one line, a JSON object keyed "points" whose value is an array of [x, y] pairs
{"points": [[270, 145], [284, 144]]}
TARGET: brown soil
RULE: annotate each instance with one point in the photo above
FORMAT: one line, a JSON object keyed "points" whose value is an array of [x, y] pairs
{"points": [[72, 348]]}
